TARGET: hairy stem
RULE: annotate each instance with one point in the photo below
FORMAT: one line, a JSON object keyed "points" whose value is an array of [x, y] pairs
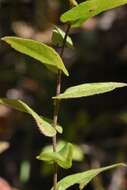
{"points": [[56, 107]]}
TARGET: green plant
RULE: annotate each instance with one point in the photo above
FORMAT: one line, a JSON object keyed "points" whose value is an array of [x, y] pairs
{"points": [[62, 155]]}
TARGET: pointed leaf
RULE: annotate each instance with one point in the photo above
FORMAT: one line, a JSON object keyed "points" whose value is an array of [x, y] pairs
{"points": [[89, 89], [38, 51], [45, 127], [58, 37], [3, 146], [83, 178], [83, 11], [63, 157]]}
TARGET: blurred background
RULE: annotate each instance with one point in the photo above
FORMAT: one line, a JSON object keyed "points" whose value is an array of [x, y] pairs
{"points": [[97, 124]]}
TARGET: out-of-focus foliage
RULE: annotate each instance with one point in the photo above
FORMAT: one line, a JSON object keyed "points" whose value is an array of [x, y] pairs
{"points": [[3, 146]]}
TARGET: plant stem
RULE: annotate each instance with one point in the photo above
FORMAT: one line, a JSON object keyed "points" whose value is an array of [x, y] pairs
{"points": [[56, 107]]}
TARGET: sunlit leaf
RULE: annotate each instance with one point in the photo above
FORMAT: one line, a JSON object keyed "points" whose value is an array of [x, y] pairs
{"points": [[83, 11], [63, 157], [83, 178], [89, 89], [38, 51], [45, 127], [58, 37], [3, 146]]}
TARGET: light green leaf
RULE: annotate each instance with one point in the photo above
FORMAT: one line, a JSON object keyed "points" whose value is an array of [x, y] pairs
{"points": [[63, 157], [38, 51], [45, 127], [89, 89], [59, 128], [83, 178], [3, 146], [58, 37], [25, 168], [83, 11], [73, 3], [77, 153]]}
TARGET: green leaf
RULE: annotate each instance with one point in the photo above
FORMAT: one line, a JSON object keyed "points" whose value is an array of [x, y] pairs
{"points": [[83, 178], [77, 153], [83, 11], [25, 168], [45, 127], [58, 37], [73, 3], [89, 89], [59, 128], [3, 146], [38, 51], [63, 157]]}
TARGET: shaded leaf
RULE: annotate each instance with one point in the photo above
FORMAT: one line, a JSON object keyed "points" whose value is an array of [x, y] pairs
{"points": [[89, 89], [83, 11], [63, 157], [83, 178], [45, 127], [3, 146], [38, 51], [58, 37]]}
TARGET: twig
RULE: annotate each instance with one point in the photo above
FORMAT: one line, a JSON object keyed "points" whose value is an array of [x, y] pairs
{"points": [[56, 107]]}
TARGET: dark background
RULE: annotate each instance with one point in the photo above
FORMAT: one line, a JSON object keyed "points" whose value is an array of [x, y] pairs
{"points": [[98, 124]]}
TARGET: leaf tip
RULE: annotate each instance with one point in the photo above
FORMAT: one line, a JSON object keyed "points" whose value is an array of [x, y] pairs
{"points": [[3, 39], [6, 39], [67, 73], [37, 157], [55, 97]]}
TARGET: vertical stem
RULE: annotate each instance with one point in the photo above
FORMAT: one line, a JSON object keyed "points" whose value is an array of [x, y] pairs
{"points": [[56, 107]]}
